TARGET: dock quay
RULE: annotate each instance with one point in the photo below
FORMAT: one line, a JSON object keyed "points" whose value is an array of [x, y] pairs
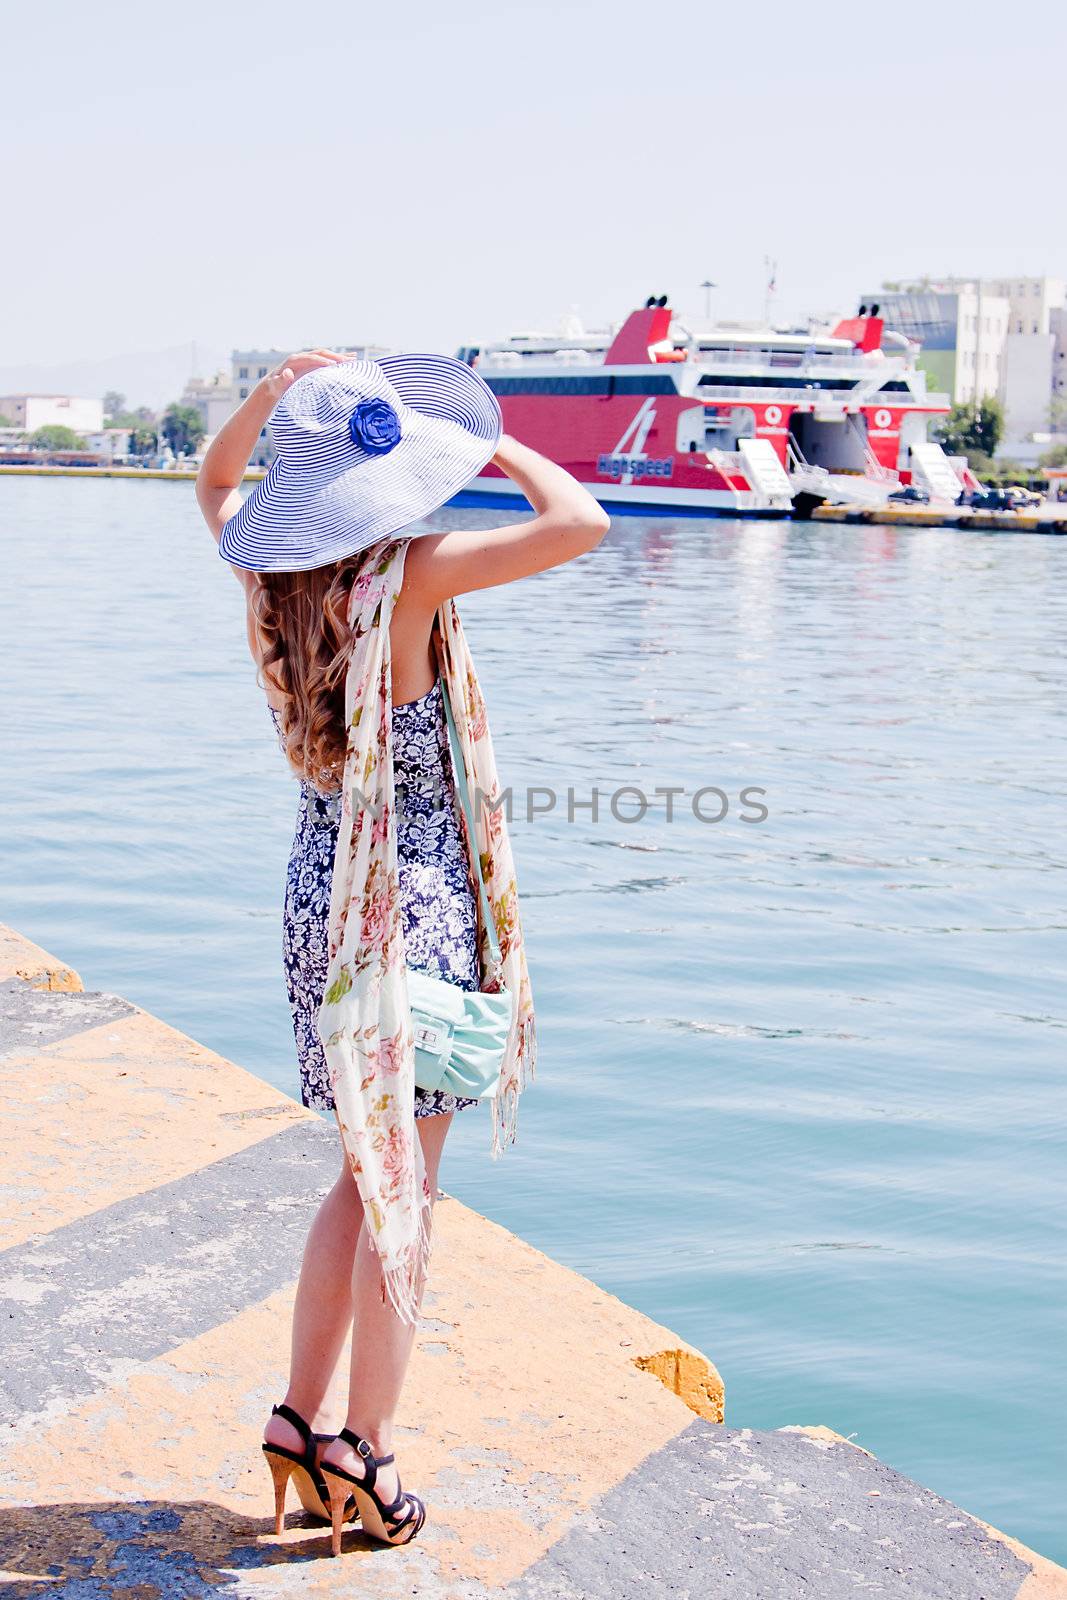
{"points": [[568, 1448], [916, 516]]}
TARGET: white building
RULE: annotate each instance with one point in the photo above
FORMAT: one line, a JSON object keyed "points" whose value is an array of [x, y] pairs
{"points": [[1028, 380], [32, 411], [249, 366], [962, 327], [1058, 328], [111, 443], [1032, 302], [1026, 385], [218, 397], [1002, 336], [213, 398]]}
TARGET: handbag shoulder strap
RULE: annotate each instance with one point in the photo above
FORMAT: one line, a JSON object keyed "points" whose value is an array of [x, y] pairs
{"points": [[465, 801]]}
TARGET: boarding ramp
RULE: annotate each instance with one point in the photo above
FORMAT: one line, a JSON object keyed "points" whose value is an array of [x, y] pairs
{"points": [[933, 471], [852, 488], [835, 488], [765, 472]]}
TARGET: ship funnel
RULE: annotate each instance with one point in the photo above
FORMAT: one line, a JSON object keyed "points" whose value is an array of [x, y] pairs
{"points": [[642, 329]]}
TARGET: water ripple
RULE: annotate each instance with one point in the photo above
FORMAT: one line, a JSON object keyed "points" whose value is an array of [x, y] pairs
{"points": [[803, 1099]]}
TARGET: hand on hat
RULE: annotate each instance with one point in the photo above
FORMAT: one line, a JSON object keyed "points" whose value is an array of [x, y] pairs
{"points": [[283, 377]]}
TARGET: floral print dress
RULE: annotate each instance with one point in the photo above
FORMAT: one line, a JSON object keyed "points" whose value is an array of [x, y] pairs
{"points": [[437, 896]]}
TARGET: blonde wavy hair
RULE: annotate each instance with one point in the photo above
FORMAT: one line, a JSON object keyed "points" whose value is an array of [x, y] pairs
{"points": [[304, 643]]}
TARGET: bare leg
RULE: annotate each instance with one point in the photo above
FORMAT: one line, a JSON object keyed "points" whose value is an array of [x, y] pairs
{"points": [[381, 1343], [322, 1313]]}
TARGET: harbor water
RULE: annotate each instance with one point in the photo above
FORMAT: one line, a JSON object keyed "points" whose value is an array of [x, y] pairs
{"points": [[800, 1091]]}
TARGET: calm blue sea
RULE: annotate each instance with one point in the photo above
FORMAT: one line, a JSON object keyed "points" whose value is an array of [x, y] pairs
{"points": [[801, 1085]]}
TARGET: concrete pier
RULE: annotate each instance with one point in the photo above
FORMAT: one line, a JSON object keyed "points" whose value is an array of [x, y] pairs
{"points": [[153, 1211], [1042, 519]]}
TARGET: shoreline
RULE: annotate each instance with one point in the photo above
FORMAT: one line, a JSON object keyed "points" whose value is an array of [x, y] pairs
{"points": [[180, 474], [885, 516]]}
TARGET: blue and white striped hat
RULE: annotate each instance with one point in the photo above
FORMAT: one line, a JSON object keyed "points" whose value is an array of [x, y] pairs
{"points": [[363, 449]]}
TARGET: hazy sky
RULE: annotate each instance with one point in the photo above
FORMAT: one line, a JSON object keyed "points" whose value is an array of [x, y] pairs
{"points": [[425, 174]]}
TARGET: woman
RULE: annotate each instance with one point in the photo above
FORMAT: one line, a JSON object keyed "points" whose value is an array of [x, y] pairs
{"points": [[357, 643]]}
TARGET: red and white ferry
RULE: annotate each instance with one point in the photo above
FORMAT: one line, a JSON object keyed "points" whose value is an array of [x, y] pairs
{"points": [[732, 421]]}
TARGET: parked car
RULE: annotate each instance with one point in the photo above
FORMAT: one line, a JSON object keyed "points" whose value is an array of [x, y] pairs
{"points": [[987, 500], [1022, 499], [911, 494]]}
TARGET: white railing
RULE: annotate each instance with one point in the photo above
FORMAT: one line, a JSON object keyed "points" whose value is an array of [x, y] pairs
{"points": [[719, 391], [725, 460], [801, 361], [873, 468], [875, 378], [875, 482], [802, 473]]}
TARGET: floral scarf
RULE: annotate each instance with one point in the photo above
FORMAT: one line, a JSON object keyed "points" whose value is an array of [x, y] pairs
{"points": [[364, 1021]]}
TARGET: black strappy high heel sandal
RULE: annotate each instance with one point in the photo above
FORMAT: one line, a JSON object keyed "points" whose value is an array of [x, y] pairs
{"points": [[395, 1523], [302, 1467]]}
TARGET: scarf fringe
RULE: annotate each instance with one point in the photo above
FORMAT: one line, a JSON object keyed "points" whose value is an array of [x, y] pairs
{"points": [[403, 1285], [506, 1103]]}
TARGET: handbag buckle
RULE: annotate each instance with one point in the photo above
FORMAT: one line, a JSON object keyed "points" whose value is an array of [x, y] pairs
{"points": [[429, 1036]]}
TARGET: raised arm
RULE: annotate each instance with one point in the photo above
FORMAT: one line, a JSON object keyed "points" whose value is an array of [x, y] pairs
{"points": [[567, 523], [219, 479]]}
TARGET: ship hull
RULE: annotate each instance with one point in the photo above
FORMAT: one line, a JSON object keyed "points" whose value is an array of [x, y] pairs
{"points": [[630, 500], [622, 448], [742, 430]]}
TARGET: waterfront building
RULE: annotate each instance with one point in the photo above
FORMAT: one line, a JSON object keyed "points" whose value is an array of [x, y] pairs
{"points": [[29, 412], [1058, 328], [247, 367], [979, 336], [217, 397], [1032, 302], [212, 398], [112, 444], [961, 326], [1028, 381]]}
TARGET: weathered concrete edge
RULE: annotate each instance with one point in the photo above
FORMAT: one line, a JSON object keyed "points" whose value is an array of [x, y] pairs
{"points": [[738, 1511], [21, 958], [682, 1369], [1047, 1581]]}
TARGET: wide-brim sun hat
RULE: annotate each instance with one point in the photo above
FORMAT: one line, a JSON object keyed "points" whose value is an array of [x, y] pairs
{"points": [[363, 449]]}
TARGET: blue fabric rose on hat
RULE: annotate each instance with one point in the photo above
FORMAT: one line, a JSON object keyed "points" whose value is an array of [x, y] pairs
{"points": [[375, 427]]}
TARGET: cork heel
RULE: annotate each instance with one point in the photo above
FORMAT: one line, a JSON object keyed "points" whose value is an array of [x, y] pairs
{"points": [[340, 1500], [300, 1468], [280, 1470]]}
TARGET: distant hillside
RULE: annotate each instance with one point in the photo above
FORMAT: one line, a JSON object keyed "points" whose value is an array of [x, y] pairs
{"points": [[145, 377]]}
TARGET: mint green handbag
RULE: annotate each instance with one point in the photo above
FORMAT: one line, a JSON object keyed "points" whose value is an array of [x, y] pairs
{"points": [[460, 1034]]}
